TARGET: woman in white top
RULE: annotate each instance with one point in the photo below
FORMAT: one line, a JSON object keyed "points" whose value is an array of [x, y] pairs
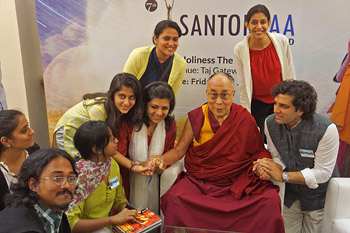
{"points": [[262, 61], [156, 137]]}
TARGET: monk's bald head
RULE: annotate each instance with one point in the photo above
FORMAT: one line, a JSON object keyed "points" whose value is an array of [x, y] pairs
{"points": [[222, 75]]}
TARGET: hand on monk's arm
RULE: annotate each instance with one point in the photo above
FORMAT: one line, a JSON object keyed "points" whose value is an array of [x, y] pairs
{"points": [[274, 170], [259, 171], [180, 149]]}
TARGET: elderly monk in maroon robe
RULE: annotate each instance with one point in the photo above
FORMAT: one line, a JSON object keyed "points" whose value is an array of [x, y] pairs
{"points": [[219, 190]]}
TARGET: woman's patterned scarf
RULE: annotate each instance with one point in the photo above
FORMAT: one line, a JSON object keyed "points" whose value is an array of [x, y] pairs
{"points": [[91, 175]]}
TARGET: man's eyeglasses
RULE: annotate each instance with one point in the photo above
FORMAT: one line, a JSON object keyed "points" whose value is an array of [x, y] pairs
{"points": [[223, 96], [59, 180]]}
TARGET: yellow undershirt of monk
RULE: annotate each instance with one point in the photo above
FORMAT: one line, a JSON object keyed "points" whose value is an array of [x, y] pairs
{"points": [[206, 132]]}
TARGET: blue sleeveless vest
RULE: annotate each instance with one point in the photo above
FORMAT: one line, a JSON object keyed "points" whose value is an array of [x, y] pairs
{"points": [[306, 135]]}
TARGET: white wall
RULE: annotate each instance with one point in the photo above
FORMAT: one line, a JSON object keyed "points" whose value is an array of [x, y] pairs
{"points": [[21, 64], [10, 57]]}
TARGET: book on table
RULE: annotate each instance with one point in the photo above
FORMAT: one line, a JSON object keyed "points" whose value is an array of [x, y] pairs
{"points": [[145, 222]]}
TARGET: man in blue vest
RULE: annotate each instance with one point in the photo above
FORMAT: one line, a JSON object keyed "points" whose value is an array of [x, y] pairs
{"points": [[304, 146]]}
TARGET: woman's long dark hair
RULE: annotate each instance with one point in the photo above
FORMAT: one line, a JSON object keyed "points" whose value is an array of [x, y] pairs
{"points": [[114, 116], [160, 90], [8, 122]]}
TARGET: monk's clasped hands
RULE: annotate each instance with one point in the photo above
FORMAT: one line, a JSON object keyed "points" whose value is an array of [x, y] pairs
{"points": [[156, 164]]}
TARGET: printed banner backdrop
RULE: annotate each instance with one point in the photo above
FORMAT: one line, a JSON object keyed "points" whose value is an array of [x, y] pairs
{"points": [[84, 43]]}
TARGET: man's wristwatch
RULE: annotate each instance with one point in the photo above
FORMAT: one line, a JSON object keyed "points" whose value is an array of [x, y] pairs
{"points": [[285, 177]]}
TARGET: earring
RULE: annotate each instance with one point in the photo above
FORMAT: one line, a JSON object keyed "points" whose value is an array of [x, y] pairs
{"points": [[8, 145]]}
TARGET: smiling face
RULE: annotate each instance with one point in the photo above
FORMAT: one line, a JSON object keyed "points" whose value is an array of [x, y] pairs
{"points": [[258, 25], [285, 112], [124, 99], [220, 95], [22, 136], [157, 110], [166, 43], [55, 197]]}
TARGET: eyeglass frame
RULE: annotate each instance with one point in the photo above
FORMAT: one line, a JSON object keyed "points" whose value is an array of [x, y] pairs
{"points": [[212, 96], [65, 179]]}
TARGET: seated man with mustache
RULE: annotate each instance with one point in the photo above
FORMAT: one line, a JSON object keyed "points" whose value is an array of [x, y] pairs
{"points": [[45, 188]]}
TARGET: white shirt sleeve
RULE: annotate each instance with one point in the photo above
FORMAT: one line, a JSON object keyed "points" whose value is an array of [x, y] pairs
{"points": [[272, 149], [325, 159]]}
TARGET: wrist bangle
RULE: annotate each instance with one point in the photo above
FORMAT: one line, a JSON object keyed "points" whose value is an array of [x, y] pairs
{"points": [[134, 168], [133, 163]]}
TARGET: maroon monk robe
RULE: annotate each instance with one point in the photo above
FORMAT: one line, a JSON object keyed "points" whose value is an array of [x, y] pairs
{"points": [[219, 190]]}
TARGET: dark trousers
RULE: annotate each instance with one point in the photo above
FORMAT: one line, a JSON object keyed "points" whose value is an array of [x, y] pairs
{"points": [[260, 111]]}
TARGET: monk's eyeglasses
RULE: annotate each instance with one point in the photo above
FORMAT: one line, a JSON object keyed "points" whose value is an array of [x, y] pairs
{"points": [[223, 96]]}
